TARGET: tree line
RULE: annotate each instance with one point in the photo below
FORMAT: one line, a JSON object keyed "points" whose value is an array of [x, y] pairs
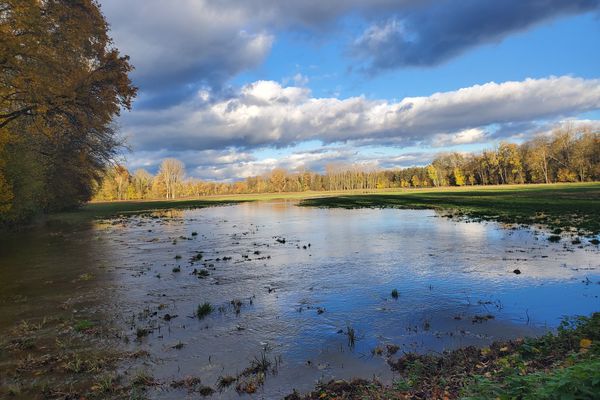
{"points": [[569, 154], [62, 82]]}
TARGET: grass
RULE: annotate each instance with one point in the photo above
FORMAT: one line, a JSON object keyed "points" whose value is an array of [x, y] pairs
{"points": [[203, 310], [83, 325], [562, 205], [351, 334], [564, 365], [558, 206]]}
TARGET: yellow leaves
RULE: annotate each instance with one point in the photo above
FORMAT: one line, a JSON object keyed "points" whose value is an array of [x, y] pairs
{"points": [[485, 351], [584, 345]]}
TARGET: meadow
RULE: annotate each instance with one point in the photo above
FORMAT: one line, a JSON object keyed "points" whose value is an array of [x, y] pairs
{"points": [[559, 206]]}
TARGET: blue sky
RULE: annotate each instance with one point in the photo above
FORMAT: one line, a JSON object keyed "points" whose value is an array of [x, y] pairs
{"points": [[237, 88]]}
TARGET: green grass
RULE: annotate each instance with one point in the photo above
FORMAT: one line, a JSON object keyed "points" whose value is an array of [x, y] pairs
{"points": [[105, 209], [92, 211], [563, 365], [564, 205], [203, 310], [557, 206]]}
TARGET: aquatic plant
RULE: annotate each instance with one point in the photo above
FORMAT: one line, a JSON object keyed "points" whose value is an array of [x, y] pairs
{"points": [[237, 305], [203, 310], [83, 325], [351, 334], [143, 378], [141, 332], [225, 381]]}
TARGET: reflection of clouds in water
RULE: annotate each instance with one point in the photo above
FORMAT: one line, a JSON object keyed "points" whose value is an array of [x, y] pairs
{"points": [[441, 267]]}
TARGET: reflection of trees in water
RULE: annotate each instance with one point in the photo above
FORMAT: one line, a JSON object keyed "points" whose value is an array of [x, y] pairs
{"points": [[167, 214]]}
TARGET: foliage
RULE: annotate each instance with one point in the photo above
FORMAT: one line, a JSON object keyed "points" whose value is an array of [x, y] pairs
{"points": [[580, 381], [569, 155], [61, 84]]}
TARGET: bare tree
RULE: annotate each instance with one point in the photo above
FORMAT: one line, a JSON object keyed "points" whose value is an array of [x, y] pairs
{"points": [[171, 173]]}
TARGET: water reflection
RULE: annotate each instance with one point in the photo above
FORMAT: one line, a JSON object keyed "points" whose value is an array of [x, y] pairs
{"points": [[335, 269]]}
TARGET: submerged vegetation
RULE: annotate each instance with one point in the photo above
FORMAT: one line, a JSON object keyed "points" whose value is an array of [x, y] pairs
{"points": [[204, 310], [554, 366]]}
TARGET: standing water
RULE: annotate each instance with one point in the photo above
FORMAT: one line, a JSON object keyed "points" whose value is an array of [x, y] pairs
{"points": [[295, 295]]}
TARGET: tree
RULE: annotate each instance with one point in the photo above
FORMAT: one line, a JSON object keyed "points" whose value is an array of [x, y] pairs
{"points": [[121, 176], [415, 181], [142, 183], [171, 173], [433, 175], [458, 177], [537, 159], [277, 179], [62, 82]]}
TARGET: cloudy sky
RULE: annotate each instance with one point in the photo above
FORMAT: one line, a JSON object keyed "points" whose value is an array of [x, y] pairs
{"points": [[236, 87]]}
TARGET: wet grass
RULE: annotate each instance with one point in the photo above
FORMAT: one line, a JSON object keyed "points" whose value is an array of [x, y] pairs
{"points": [[204, 310], [559, 206], [99, 210], [60, 358], [555, 366]]}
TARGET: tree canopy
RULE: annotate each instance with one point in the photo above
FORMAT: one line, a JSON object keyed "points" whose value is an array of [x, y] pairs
{"points": [[566, 155], [62, 83]]}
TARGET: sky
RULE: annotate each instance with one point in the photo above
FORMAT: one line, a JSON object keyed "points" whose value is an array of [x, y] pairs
{"points": [[235, 88]]}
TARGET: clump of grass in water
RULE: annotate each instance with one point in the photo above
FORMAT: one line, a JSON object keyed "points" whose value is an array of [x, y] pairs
{"points": [[395, 294], [141, 332], [143, 378], [225, 381], [203, 310], [351, 333], [259, 364], [237, 306], [83, 325]]}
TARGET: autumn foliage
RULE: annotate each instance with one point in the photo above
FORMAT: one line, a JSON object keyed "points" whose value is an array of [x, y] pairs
{"points": [[61, 84], [566, 155]]}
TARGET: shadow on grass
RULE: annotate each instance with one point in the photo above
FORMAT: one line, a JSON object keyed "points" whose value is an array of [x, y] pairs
{"points": [[92, 211], [558, 206]]}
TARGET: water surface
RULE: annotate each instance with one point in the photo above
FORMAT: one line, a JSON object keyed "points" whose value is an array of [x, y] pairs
{"points": [[303, 276]]}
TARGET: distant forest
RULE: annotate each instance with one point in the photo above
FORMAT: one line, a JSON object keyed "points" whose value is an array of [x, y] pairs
{"points": [[569, 154]]}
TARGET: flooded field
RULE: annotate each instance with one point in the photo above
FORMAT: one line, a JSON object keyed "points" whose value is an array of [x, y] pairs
{"points": [[292, 295]]}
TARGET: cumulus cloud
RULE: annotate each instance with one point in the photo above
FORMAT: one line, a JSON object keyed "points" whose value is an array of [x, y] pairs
{"points": [[434, 33], [178, 47], [265, 113]]}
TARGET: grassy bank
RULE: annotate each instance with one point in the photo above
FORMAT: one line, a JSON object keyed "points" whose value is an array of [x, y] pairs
{"points": [[559, 206], [565, 365], [94, 210]]}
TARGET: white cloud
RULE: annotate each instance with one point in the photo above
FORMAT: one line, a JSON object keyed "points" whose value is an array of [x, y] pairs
{"points": [[265, 113], [467, 136]]}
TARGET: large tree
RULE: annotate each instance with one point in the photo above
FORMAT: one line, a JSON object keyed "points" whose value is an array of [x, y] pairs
{"points": [[62, 83], [171, 174]]}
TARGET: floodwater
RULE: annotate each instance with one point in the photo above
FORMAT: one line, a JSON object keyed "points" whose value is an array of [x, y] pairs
{"points": [[299, 278]]}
